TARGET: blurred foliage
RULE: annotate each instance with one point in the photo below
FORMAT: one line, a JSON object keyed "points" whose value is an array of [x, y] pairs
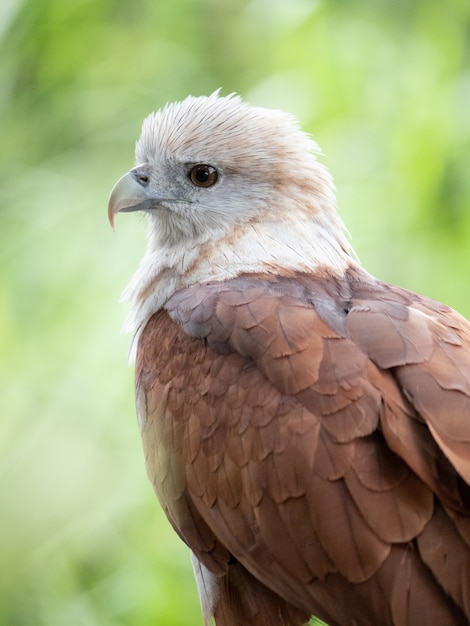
{"points": [[385, 89]]}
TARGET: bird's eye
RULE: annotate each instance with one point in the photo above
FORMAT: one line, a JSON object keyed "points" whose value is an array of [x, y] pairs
{"points": [[203, 175]]}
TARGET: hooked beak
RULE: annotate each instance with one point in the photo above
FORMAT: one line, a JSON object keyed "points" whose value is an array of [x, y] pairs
{"points": [[130, 193]]}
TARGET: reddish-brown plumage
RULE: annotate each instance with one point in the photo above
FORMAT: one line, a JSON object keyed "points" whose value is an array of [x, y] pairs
{"points": [[309, 439]]}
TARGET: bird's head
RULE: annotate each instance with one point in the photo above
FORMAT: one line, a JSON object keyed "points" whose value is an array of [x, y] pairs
{"points": [[228, 189], [209, 164]]}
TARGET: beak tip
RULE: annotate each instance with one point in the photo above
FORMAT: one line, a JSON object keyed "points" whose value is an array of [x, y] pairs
{"points": [[111, 215]]}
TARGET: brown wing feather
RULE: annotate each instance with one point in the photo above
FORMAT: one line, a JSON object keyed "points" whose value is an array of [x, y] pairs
{"points": [[311, 432]]}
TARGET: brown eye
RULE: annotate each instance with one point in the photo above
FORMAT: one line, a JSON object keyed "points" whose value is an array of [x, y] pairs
{"points": [[203, 175]]}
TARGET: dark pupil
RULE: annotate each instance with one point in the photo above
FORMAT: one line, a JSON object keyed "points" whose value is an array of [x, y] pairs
{"points": [[202, 175]]}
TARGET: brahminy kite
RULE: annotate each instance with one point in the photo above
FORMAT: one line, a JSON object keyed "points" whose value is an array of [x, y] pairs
{"points": [[306, 427]]}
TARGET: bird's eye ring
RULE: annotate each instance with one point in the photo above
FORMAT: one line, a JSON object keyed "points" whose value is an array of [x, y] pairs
{"points": [[203, 175]]}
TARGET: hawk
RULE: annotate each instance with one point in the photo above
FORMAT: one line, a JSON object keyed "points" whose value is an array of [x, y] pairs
{"points": [[306, 427]]}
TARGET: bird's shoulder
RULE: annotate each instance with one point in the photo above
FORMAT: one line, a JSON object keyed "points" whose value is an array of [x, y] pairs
{"points": [[278, 315]]}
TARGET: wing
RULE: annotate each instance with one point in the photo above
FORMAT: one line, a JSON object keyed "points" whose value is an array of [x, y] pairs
{"points": [[314, 434]]}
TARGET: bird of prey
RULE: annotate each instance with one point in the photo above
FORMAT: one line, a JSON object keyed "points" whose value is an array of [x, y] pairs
{"points": [[306, 427]]}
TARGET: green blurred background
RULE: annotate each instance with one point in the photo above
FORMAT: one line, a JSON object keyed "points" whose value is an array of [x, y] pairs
{"points": [[383, 86]]}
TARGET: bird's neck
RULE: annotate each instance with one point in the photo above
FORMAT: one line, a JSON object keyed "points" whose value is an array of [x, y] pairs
{"points": [[268, 247]]}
